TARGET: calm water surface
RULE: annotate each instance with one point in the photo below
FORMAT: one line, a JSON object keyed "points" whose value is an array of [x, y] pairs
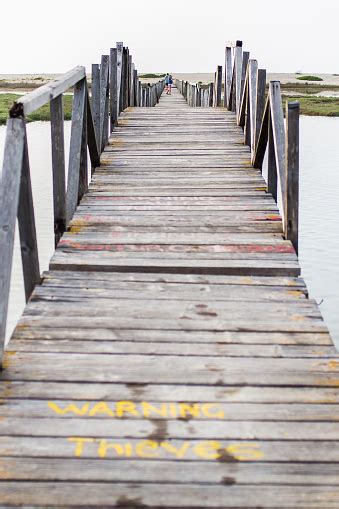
{"points": [[319, 212]]}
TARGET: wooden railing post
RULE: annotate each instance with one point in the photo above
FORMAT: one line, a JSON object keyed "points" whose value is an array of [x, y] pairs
{"points": [[104, 100], [113, 89], [260, 103], [252, 87], [120, 47], [9, 198], [291, 202], [228, 75], [238, 75], [278, 128], [272, 174], [58, 167], [218, 83], [211, 95], [96, 101], [75, 149], [26, 222]]}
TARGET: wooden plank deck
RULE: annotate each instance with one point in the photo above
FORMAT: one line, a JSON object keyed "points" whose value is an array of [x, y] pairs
{"points": [[171, 356]]}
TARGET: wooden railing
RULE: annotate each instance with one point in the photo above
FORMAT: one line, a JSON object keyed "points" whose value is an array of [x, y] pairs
{"points": [[261, 116], [115, 86]]}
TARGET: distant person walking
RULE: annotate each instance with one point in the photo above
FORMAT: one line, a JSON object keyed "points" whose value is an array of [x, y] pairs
{"points": [[168, 83]]}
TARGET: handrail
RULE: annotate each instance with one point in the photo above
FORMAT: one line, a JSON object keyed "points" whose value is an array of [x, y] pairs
{"points": [[115, 87], [262, 120]]}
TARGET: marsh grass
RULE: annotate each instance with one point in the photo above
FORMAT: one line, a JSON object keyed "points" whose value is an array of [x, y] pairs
{"points": [[316, 106], [309, 78], [7, 100]]}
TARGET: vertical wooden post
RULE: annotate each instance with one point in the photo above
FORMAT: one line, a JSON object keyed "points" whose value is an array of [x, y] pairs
{"points": [[252, 94], [245, 60], [218, 83], [75, 149], [26, 222], [113, 89], [9, 198], [260, 102], [211, 95], [130, 81], [96, 101], [228, 75], [125, 72], [104, 100], [120, 47], [238, 75], [136, 87], [272, 175], [58, 167], [278, 128], [83, 169], [291, 202]]}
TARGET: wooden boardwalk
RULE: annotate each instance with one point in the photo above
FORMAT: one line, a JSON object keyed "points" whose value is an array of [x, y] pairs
{"points": [[171, 356]]}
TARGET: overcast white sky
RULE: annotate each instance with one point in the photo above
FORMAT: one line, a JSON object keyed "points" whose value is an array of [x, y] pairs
{"points": [[38, 36]]}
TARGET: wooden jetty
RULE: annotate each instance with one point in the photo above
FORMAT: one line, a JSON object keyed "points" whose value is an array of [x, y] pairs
{"points": [[171, 356]]}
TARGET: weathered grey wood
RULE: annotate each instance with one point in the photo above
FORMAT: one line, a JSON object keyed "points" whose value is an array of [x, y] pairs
{"points": [[262, 137], [27, 230], [96, 101], [48, 469], [113, 89], [175, 200], [9, 198], [168, 495], [83, 169], [253, 87], [34, 100], [211, 95], [233, 44], [218, 84], [272, 175], [92, 139], [278, 128], [58, 167], [260, 105], [237, 77], [75, 148], [245, 61], [104, 100], [291, 203], [228, 75], [119, 47]]}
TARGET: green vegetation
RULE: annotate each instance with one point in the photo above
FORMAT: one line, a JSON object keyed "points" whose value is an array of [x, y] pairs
{"points": [[309, 78], [7, 100], [308, 88], [316, 106], [152, 75]]}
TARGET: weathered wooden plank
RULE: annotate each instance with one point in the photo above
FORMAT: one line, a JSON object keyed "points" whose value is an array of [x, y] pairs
{"points": [[54, 469], [167, 495], [167, 393], [208, 420], [153, 348], [176, 449], [159, 369]]}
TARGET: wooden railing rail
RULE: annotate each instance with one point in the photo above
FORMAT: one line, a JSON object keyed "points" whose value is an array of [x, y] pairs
{"points": [[115, 86], [262, 119]]}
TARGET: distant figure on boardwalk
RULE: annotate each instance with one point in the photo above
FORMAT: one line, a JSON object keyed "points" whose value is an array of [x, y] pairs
{"points": [[168, 83]]}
